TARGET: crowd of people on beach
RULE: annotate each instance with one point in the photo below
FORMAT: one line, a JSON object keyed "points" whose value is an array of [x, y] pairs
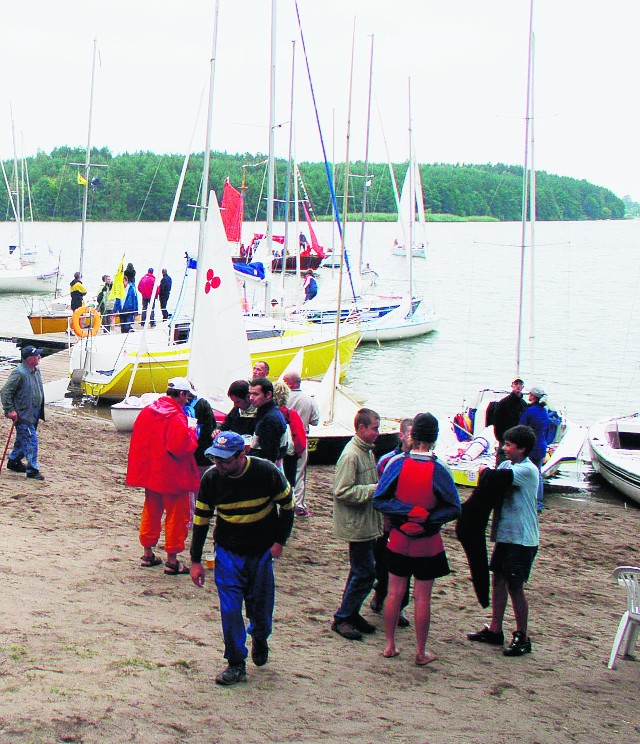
{"points": [[246, 477], [118, 302], [249, 475]]}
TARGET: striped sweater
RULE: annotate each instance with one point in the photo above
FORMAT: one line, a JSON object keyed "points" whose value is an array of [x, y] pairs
{"points": [[253, 510]]}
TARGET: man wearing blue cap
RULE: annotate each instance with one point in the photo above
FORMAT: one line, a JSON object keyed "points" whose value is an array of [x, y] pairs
{"points": [[23, 403], [254, 517]]}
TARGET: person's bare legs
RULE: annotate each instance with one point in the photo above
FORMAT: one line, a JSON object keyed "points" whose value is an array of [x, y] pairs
{"points": [[397, 587], [520, 606], [499, 596], [422, 618]]}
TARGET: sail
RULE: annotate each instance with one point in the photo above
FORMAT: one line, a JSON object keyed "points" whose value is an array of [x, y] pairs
{"points": [[232, 212], [219, 346], [315, 246]]}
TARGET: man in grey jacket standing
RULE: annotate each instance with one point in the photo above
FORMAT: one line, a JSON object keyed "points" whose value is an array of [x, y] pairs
{"points": [[307, 409], [23, 403], [356, 521]]}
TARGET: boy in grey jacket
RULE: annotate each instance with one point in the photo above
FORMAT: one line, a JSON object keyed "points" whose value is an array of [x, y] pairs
{"points": [[356, 522]]}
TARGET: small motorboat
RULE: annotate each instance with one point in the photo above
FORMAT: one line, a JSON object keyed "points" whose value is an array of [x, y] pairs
{"points": [[615, 453]]}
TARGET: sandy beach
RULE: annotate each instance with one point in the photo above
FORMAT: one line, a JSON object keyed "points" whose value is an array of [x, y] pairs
{"points": [[94, 648]]}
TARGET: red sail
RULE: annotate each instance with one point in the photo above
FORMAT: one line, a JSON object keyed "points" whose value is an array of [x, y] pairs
{"points": [[232, 212], [315, 246]]}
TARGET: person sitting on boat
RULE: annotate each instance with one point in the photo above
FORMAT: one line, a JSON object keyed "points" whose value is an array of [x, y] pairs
{"points": [[270, 423], [310, 285], [128, 307], [77, 291], [242, 417], [507, 413], [537, 417]]}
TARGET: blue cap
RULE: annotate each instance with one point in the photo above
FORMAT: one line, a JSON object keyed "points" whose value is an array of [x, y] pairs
{"points": [[28, 351], [225, 445]]}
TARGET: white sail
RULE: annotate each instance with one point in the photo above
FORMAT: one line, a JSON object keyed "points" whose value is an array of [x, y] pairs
{"points": [[219, 346]]}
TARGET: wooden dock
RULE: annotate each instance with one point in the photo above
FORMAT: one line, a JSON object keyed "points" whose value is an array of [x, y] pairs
{"points": [[45, 341], [52, 367]]}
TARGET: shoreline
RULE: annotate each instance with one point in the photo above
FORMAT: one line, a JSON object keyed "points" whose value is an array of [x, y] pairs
{"points": [[95, 648]]}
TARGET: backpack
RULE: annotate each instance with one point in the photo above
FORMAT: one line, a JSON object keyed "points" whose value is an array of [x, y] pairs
{"points": [[296, 431]]}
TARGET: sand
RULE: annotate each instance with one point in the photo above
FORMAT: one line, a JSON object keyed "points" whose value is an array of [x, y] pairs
{"points": [[94, 648]]}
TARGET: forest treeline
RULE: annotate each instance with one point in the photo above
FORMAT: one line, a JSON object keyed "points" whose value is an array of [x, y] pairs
{"points": [[142, 185]]}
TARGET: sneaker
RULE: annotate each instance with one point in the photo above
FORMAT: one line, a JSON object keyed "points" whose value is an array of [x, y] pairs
{"points": [[346, 630], [403, 621], [301, 511], [16, 465], [259, 651], [233, 674], [359, 623], [487, 636], [36, 475], [376, 603], [519, 646]]}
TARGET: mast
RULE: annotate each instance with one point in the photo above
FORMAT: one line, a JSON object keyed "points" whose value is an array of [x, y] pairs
{"points": [[19, 206], [207, 150], [532, 209], [525, 190], [336, 348], [366, 161], [272, 119], [87, 159], [412, 198], [287, 192]]}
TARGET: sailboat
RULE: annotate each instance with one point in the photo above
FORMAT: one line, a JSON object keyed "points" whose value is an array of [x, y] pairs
{"points": [[471, 442], [54, 316], [615, 453], [17, 274], [113, 366]]}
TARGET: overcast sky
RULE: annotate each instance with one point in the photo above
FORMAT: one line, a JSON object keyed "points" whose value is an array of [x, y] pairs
{"points": [[466, 60]]}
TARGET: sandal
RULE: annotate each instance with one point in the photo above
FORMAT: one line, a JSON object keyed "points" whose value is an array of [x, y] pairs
{"points": [[150, 561], [175, 569]]}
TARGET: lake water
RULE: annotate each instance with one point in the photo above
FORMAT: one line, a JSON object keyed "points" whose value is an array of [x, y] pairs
{"points": [[587, 317]]}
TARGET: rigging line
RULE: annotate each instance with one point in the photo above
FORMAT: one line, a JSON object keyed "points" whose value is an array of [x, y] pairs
{"points": [[144, 203], [332, 190]]}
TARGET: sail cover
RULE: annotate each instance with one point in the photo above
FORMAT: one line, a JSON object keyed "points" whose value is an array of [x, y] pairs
{"points": [[232, 212]]}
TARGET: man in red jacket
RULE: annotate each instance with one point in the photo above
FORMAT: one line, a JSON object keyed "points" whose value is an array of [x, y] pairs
{"points": [[161, 461], [148, 288]]}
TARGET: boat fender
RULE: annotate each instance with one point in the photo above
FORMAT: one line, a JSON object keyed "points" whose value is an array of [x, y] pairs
{"points": [[83, 331], [477, 447]]}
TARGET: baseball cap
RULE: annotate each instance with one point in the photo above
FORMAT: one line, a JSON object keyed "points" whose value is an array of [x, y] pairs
{"points": [[181, 383], [28, 351], [518, 381], [539, 392], [225, 445]]}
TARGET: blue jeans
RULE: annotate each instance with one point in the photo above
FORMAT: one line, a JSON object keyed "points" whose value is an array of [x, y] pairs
{"points": [[250, 579], [362, 574], [26, 445]]}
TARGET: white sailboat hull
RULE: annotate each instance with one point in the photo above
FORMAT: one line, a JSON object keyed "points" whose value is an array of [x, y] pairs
{"points": [[464, 459], [25, 280], [406, 321], [615, 453]]}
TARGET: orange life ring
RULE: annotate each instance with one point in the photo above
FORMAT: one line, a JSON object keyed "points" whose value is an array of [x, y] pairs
{"points": [[82, 331]]}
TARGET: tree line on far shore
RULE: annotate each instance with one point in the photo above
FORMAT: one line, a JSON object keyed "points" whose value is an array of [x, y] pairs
{"points": [[141, 186]]}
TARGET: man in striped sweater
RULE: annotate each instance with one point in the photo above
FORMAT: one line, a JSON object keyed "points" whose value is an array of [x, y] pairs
{"points": [[253, 504]]}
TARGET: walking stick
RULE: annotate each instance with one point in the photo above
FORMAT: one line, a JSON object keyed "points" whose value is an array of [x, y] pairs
{"points": [[6, 447]]}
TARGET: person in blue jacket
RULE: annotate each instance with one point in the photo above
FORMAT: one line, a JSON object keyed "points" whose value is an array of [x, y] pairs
{"points": [[537, 417], [128, 307]]}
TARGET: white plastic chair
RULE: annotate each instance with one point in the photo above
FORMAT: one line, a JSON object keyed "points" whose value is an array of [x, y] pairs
{"points": [[629, 627]]}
